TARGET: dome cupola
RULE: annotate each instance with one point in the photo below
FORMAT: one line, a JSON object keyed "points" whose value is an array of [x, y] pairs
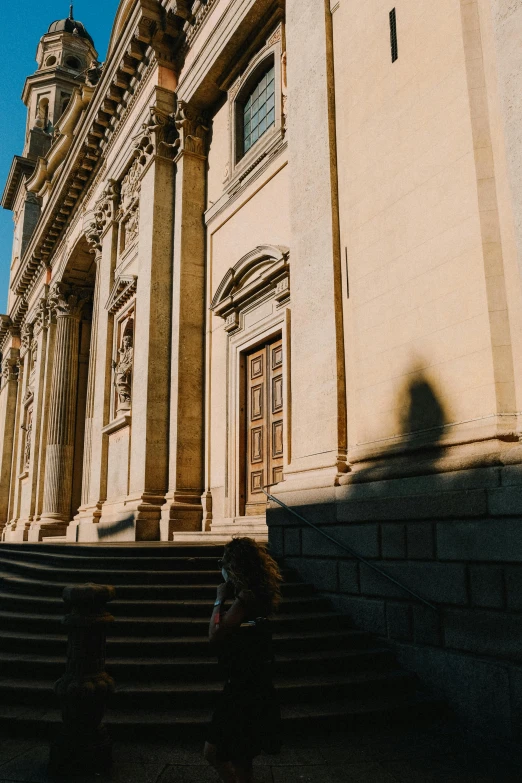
{"points": [[70, 25]]}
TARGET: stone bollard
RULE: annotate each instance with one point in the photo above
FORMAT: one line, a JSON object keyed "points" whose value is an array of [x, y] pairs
{"points": [[83, 744]]}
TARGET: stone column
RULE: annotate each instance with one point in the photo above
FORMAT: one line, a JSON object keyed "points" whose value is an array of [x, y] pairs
{"points": [[183, 509], [8, 396], [319, 438], [39, 348], [149, 450], [67, 302], [101, 234]]}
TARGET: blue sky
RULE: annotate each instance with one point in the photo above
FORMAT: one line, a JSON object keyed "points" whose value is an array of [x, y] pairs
{"points": [[23, 22]]}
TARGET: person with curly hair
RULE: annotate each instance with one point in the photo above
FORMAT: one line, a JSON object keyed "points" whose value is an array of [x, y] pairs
{"points": [[247, 719]]}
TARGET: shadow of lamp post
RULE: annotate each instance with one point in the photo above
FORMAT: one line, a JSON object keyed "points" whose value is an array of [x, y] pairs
{"points": [[83, 744]]}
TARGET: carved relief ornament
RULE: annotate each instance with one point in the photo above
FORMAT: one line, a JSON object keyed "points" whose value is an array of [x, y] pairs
{"points": [[192, 127], [10, 369], [103, 214], [67, 301], [156, 137], [42, 316], [26, 336]]}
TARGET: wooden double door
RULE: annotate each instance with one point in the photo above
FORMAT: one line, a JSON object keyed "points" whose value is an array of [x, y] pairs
{"points": [[264, 410]]}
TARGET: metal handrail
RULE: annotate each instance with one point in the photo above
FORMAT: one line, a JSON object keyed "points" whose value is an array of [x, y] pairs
{"points": [[350, 551]]}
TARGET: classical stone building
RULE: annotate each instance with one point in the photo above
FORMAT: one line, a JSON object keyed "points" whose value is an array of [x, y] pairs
{"points": [[280, 243]]}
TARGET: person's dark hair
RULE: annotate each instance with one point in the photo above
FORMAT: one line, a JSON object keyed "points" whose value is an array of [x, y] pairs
{"points": [[252, 570]]}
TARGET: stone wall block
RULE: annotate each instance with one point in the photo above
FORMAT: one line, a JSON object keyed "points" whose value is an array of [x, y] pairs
{"points": [[487, 586], [444, 505], [478, 691], [421, 542], [505, 501], [516, 701], [348, 576], [511, 476], [276, 541], [399, 621], [436, 483], [393, 541], [363, 539], [442, 583], [322, 573], [513, 577], [367, 614], [497, 634], [427, 627], [484, 540], [292, 542]]}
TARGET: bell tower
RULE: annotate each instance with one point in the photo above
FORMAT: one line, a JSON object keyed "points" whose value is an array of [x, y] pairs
{"points": [[64, 55]]}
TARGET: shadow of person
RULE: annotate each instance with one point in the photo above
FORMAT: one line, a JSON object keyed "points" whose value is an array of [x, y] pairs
{"points": [[418, 445]]}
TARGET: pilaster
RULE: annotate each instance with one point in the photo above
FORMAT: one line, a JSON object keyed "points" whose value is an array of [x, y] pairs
{"points": [[183, 509], [102, 236], [138, 516], [318, 433]]}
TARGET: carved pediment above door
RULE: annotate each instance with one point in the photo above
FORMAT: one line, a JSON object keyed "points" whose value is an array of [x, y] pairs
{"points": [[263, 272], [124, 287]]}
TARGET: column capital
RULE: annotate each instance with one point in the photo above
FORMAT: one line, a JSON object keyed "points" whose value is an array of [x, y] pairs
{"points": [[192, 127], [67, 301], [11, 366], [156, 138], [26, 337], [42, 317]]}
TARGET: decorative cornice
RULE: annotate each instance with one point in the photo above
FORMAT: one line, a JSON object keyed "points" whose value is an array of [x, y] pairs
{"points": [[19, 167], [265, 268], [122, 290]]}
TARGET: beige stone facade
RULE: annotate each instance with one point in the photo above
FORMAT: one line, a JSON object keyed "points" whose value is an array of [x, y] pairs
{"points": [[201, 307]]}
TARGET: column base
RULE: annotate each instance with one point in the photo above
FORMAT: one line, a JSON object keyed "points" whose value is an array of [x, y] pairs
{"points": [[123, 519], [45, 528], [181, 512], [16, 532]]}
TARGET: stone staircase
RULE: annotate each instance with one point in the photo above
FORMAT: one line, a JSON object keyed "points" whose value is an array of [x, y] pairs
{"points": [[158, 653]]}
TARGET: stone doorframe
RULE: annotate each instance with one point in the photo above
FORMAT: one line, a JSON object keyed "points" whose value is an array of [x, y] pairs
{"points": [[254, 300]]}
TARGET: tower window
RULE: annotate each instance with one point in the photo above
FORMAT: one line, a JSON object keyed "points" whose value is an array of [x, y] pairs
{"points": [[259, 110], [65, 102], [73, 62], [393, 35], [50, 61]]}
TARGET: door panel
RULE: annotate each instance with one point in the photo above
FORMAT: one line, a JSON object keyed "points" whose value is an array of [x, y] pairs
{"points": [[264, 423]]}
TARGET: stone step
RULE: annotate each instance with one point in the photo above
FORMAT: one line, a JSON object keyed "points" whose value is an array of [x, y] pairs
{"points": [[35, 588], [191, 722], [130, 647], [298, 663], [193, 607], [67, 560], [158, 649], [127, 549], [164, 695], [168, 627]]}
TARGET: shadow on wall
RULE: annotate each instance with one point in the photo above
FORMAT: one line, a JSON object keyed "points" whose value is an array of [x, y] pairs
{"points": [[421, 426], [447, 527], [104, 531]]}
